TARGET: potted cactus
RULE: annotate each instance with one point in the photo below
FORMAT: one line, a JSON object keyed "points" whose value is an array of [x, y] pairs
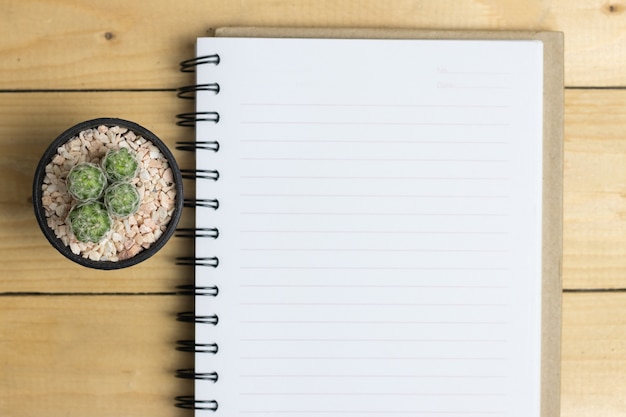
{"points": [[90, 220], [107, 193]]}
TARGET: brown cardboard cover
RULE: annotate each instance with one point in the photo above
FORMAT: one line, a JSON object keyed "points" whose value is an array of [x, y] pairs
{"points": [[552, 169]]}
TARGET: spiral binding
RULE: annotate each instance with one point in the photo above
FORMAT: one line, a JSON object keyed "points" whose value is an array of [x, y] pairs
{"points": [[212, 291], [192, 346], [190, 120], [190, 317], [202, 202], [194, 174], [212, 145], [190, 65], [211, 261], [208, 232], [191, 374], [189, 402], [189, 91]]}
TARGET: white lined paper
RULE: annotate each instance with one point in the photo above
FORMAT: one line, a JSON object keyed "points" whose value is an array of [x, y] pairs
{"points": [[380, 236]]}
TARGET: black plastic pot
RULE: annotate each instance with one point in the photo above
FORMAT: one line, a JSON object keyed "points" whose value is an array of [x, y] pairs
{"points": [[38, 193]]}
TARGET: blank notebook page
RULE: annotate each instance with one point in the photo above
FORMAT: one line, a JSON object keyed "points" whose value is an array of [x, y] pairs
{"points": [[379, 227]]}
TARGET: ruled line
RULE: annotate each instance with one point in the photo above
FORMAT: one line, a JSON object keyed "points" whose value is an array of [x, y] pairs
{"points": [[381, 394], [337, 250], [377, 340], [428, 196], [401, 105], [376, 160], [481, 73], [368, 178], [379, 268], [383, 141], [354, 213], [383, 412], [473, 287], [373, 358], [441, 305], [453, 85], [350, 123], [372, 376], [399, 232], [370, 322]]}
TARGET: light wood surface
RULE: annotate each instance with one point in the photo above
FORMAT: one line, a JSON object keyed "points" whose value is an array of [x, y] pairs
{"points": [[77, 342], [92, 355]]}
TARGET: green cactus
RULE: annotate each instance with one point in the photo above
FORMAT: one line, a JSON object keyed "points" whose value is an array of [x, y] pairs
{"points": [[120, 165], [121, 200], [89, 221], [86, 182]]}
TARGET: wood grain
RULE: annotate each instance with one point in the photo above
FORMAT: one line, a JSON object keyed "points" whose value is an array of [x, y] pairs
{"points": [[595, 189], [114, 355], [594, 355], [92, 356], [122, 44]]}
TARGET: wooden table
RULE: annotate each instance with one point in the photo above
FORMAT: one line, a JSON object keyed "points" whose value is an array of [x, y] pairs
{"points": [[80, 342]]}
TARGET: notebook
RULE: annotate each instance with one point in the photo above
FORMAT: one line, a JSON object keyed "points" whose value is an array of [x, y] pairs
{"points": [[379, 223]]}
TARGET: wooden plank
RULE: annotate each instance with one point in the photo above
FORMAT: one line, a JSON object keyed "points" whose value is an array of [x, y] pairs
{"points": [[594, 254], [92, 356], [114, 355], [595, 193], [30, 124], [121, 44], [594, 355]]}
